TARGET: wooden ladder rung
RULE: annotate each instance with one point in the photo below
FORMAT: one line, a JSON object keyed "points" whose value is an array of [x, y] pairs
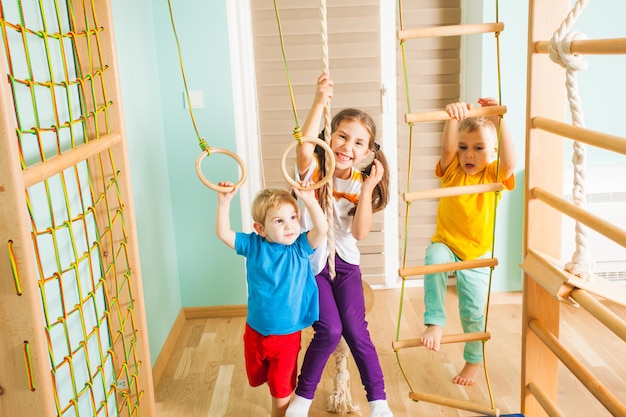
{"points": [[582, 215], [452, 191], [445, 339], [544, 400], [450, 30], [442, 115], [590, 137], [459, 404], [605, 315], [614, 46], [449, 267], [60, 163], [609, 400]]}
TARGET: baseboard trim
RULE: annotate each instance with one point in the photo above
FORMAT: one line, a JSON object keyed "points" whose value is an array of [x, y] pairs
{"points": [[168, 348], [509, 297], [215, 312]]}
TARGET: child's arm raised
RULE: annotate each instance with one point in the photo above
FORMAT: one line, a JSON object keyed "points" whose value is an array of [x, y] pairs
{"points": [[222, 216], [456, 111], [319, 230], [364, 215], [323, 93], [508, 156]]}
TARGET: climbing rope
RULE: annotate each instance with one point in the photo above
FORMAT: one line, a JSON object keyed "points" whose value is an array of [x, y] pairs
{"points": [[340, 400], [559, 49], [327, 138]]}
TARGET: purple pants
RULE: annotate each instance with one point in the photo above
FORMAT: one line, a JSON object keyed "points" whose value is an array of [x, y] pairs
{"points": [[342, 312]]}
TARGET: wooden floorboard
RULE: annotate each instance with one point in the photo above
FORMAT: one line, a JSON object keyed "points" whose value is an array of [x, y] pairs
{"points": [[206, 374]]}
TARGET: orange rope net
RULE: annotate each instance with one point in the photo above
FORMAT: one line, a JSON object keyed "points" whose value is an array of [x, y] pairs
{"points": [[58, 76]]}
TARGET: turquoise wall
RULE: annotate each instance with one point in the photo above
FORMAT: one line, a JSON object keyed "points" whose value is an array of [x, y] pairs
{"points": [[136, 50], [211, 274], [513, 46], [183, 263]]}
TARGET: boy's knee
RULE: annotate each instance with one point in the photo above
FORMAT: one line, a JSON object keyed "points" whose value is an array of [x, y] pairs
{"points": [[438, 253], [471, 311]]}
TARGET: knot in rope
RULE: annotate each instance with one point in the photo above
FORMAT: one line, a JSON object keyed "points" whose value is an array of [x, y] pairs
{"points": [[297, 133], [560, 51], [340, 400], [204, 145], [581, 265]]}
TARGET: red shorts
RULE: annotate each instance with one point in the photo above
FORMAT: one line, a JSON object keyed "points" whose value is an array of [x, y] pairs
{"points": [[272, 359]]}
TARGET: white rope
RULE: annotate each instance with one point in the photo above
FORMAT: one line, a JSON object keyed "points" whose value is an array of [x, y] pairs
{"points": [[340, 400], [327, 121], [559, 49]]}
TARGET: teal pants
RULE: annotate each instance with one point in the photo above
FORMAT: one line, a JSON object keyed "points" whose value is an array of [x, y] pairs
{"points": [[472, 286]]}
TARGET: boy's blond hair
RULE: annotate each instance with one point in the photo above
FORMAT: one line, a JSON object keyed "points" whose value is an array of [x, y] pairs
{"points": [[271, 198], [472, 124]]}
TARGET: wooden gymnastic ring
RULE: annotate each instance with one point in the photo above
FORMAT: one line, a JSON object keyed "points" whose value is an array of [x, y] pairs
{"points": [[208, 183], [321, 182]]}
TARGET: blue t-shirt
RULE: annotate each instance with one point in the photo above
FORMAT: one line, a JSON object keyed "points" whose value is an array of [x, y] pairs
{"points": [[282, 292]]}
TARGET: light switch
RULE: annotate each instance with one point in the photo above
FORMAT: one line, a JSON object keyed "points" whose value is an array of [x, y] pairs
{"points": [[196, 98]]}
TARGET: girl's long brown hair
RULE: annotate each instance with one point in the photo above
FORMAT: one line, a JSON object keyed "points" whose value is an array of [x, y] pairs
{"points": [[380, 195]]}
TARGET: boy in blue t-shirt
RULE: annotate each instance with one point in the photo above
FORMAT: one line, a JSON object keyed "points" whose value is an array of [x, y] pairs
{"points": [[282, 292]]}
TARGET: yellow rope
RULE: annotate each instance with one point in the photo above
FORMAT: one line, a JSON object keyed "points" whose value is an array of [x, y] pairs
{"points": [[296, 130], [204, 146], [29, 366], [201, 141], [495, 214]]}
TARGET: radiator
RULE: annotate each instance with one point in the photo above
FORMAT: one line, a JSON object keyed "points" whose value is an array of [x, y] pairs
{"points": [[605, 189]]}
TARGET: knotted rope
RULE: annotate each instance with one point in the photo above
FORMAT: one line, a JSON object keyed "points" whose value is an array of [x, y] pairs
{"points": [[340, 400], [327, 133], [559, 49]]}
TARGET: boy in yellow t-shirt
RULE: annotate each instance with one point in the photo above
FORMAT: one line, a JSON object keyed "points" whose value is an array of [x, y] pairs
{"points": [[465, 224]]}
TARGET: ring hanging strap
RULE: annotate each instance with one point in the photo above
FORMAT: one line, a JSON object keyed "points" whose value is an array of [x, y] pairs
{"points": [[206, 149]]}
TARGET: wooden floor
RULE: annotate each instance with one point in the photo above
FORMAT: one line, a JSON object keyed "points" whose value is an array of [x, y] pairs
{"points": [[206, 376]]}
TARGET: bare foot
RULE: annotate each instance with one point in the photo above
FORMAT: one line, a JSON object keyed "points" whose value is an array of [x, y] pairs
{"points": [[468, 374], [431, 337]]}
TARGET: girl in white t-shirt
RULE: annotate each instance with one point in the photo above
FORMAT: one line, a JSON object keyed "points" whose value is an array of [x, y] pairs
{"points": [[358, 194]]}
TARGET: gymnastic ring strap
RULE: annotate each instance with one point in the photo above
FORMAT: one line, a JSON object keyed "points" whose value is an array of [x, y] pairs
{"points": [[208, 183]]}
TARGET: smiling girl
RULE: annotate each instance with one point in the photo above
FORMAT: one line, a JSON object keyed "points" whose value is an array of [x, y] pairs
{"points": [[358, 194]]}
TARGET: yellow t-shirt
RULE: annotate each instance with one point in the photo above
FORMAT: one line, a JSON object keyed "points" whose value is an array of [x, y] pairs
{"points": [[465, 222]]}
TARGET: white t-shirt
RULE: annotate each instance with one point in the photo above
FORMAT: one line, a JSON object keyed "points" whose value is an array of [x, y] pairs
{"points": [[346, 193]]}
